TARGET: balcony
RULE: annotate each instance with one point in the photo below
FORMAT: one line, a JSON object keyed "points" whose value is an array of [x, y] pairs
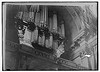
{"points": [[23, 50]]}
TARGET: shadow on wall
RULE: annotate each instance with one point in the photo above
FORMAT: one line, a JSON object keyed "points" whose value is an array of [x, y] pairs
{"points": [[68, 31], [68, 41], [11, 58], [11, 31]]}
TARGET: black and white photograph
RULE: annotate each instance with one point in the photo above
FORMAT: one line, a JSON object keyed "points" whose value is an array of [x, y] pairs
{"points": [[50, 36]]}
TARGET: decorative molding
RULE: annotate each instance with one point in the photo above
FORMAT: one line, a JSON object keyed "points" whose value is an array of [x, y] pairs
{"points": [[31, 51], [90, 43], [77, 52], [81, 33], [11, 46]]}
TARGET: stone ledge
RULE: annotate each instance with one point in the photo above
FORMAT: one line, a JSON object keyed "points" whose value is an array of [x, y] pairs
{"points": [[32, 51]]}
